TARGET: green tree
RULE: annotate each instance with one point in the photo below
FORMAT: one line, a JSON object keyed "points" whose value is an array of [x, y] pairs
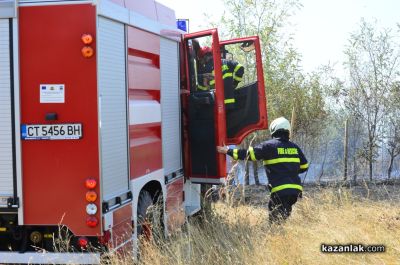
{"points": [[287, 87], [373, 64]]}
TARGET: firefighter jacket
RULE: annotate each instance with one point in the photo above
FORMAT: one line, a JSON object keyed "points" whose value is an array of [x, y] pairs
{"points": [[232, 75], [283, 161]]}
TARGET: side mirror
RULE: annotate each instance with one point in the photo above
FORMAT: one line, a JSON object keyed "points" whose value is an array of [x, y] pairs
{"points": [[247, 46]]}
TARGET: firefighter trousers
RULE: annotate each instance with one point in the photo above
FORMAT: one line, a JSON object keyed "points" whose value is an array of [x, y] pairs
{"points": [[280, 207]]}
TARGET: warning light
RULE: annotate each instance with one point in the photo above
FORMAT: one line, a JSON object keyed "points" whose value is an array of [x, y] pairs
{"points": [[183, 24], [91, 196], [92, 221], [87, 38], [83, 242], [91, 209], [87, 52], [90, 183]]}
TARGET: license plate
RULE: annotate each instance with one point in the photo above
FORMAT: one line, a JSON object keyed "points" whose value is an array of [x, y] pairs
{"points": [[70, 131]]}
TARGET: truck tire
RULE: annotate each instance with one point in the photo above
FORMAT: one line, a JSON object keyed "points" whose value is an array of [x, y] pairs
{"points": [[149, 217]]}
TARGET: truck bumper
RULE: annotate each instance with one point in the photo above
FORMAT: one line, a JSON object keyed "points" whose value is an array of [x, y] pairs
{"points": [[49, 258]]}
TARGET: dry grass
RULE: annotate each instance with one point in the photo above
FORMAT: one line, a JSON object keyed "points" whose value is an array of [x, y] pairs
{"points": [[241, 235]]}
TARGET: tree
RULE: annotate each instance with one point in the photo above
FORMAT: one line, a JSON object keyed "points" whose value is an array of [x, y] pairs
{"points": [[393, 143], [392, 128], [286, 84], [372, 63], [265, 18]]}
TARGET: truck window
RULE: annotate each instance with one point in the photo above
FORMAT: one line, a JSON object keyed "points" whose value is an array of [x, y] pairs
{"points": [[246, 110], [201, 65]]}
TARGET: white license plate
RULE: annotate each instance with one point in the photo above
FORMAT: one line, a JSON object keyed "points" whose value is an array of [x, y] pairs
{"points": [[70, 131]]}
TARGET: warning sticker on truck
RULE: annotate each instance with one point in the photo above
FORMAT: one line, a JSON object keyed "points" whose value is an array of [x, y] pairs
{"points": [[69, 131], [52, 93]]}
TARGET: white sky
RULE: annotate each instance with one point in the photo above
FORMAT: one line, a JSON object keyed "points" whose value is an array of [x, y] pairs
{"points": [[320, 28]]}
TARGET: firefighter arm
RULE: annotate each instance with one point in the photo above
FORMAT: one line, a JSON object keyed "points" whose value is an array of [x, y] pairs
{"points": [[253, 154], [238, 72], [303, 168], [303, 162], [235, 153]]}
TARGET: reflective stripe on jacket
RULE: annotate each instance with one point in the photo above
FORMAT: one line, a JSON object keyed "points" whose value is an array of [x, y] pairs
{"points": [[232, 74], [283, 161]]}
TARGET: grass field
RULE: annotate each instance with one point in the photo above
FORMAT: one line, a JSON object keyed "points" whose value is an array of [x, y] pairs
{"points": [[241, 234]]}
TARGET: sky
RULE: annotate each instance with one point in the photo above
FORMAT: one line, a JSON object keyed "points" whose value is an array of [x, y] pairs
{"points": [[321, 28]]}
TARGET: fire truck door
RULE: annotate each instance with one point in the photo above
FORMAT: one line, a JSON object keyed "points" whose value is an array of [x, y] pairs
{"points": [[205, 108], [249, 112]]}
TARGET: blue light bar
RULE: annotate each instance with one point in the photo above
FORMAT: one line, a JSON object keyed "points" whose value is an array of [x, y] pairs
{"points": [[183, 24]]}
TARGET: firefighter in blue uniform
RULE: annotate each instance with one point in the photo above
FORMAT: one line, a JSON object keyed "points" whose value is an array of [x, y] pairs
{"points": [[283, 161], [232, 75]]}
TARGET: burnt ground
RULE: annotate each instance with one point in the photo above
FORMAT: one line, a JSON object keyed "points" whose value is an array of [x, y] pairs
{"points": [[258, 195]]}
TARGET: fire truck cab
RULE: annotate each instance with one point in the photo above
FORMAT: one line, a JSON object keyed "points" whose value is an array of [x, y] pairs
{"points": [[101, 118]]}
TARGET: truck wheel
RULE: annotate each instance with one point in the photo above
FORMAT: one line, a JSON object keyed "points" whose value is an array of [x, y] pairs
{"points": [[149, 217]]}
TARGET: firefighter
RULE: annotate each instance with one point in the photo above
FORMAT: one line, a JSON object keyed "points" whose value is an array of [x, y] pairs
{"points": [[205, 68], [232, 74], [283, 161]]}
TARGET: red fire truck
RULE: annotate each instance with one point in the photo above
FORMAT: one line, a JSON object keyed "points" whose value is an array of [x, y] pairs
{"points": [[101, 117]]}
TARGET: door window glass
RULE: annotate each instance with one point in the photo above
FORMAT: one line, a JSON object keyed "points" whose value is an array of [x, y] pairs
{"points": [[201, 64]]}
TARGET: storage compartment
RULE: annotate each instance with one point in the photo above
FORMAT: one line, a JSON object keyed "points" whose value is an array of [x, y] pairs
{"points": [[170, 106], [6, 119]]}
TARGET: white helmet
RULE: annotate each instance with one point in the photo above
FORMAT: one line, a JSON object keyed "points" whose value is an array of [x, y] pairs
{"points": [[279, 124]]}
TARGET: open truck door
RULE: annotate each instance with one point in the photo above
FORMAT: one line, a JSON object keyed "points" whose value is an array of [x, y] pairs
{"points": [[250, 111], [204, 112], [213, 113]]}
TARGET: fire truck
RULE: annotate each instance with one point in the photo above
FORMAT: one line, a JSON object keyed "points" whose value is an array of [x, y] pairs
{"points": [[101, 118]]}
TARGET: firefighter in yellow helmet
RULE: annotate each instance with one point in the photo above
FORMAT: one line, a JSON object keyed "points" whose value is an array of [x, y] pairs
{"points": [[283, 161]]}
